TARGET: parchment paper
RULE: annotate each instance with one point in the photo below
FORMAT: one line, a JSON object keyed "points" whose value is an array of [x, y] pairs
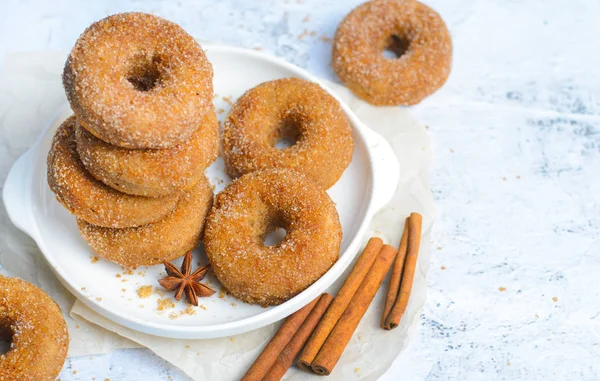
{"points": [[30, 92]]}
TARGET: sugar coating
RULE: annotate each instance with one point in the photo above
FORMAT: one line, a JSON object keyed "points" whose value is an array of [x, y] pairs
{"points": [[271, 110], [151, 172], [110, 53], [150, 244], [90, 199], [37, 329], [369, 29], [253, 206]]}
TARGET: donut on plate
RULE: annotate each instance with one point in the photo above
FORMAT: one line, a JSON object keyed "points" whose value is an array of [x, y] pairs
{"points": [[138, 81], [248, 210], [37, 331], [292, 109], [151, 172], [415, 33], [167, 239], [90, 199]]}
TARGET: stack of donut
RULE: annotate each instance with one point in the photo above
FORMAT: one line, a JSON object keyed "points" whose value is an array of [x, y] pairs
{"points": [[130, 163]]}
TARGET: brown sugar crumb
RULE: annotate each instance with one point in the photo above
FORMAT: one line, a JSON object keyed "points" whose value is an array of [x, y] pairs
{"points": [[555, 299], [164, 304], [228, 101], [159, 291], [74, 372], [202, 306], [356, 370], [99, 299], [221, 110], [82, 288], [326, 39], [189, 311], [232, 339], [222, 293], [173, 315], [77, 326], [304, 34], [94, 259], [144, 292], [504, 179], [501, 289], [443, 267], [313, 33], [233, 304], [118, 275], [123, 280]]}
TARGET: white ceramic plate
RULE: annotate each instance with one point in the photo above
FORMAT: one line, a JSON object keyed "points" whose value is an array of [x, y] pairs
{"points": [[366, 186]]}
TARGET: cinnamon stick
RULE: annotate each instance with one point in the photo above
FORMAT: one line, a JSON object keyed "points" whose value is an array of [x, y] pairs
{"points": [[268, 356], [291, 350], [415, 222], [335, 344], [396, 277], [339, 304]]}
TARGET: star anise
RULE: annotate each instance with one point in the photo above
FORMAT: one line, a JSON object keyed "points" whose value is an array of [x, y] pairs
{"points": [[184, 281]]}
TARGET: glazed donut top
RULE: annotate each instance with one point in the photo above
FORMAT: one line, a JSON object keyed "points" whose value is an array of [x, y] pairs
{"points": [[283, 108], [37, 330], [247, 211], [410, 29], [138, 81]]}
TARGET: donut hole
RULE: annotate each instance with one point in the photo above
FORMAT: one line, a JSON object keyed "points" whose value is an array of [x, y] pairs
{"points": [[287, 134], [145, 72], [275, 237], [271, 228], [396, 47], [5, 338]]}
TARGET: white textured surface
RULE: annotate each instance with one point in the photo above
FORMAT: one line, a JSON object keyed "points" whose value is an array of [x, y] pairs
{"points": [[516, 134]]}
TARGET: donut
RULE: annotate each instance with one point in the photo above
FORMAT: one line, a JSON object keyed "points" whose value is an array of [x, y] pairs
{"points": [[248, 210], [92, 200], [415, 33], [292, 109], [151, 172], [37, 331], [166, 239], [138, 81]]}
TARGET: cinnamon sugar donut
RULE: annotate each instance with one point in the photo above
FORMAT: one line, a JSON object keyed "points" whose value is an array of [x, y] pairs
{"points": [[151, 172], [150, 244], [248, 210], [37, 331], [138, 81], [89, 199], [413, 31], [289, 108]]}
